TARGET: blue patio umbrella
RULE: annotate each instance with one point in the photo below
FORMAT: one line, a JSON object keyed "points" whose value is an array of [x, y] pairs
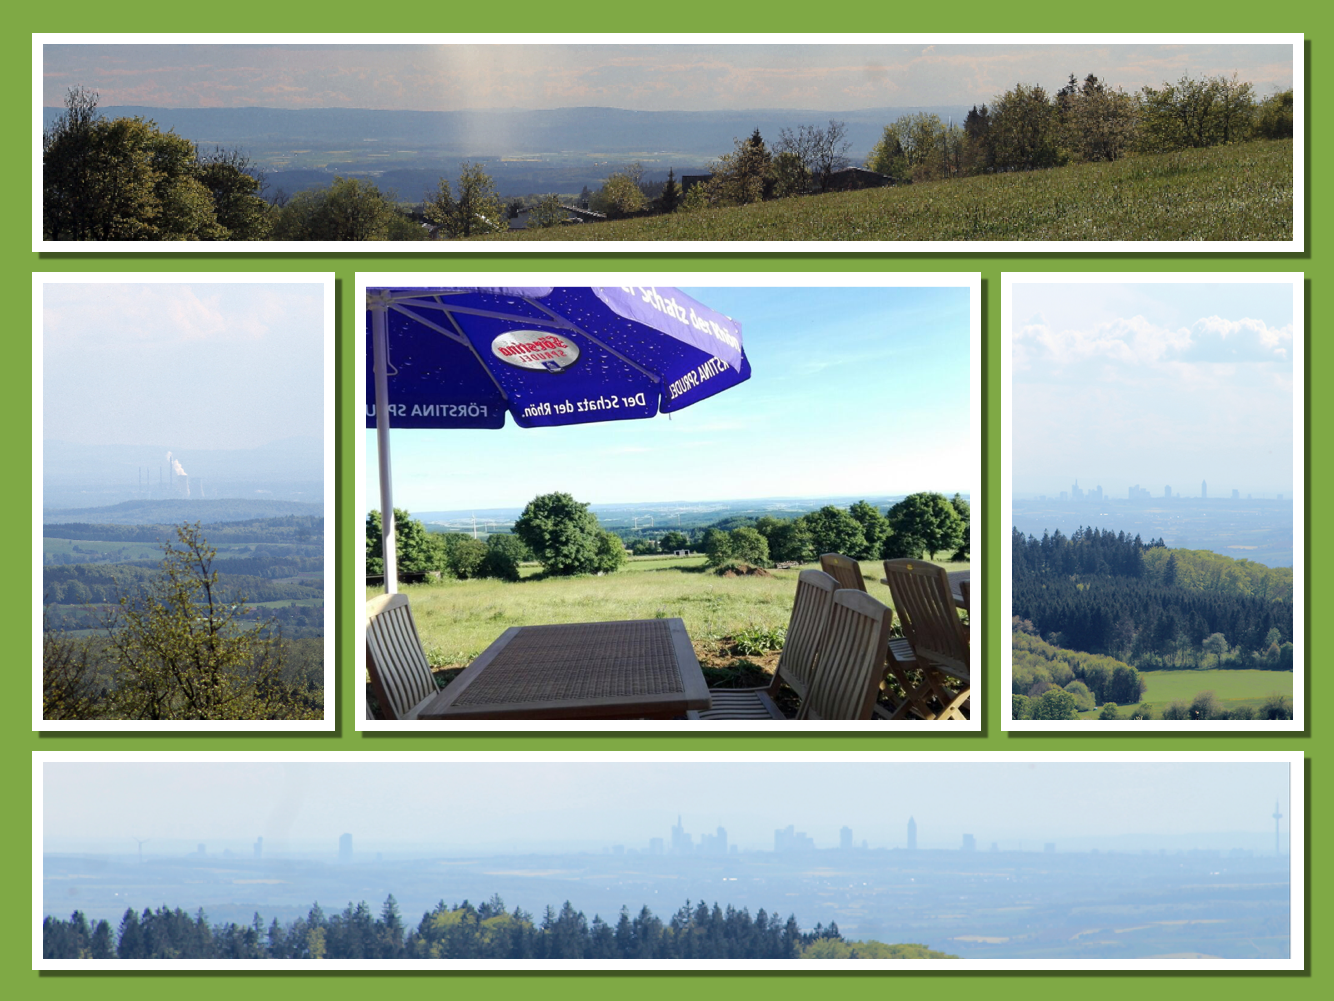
{"points": [[464, 357]]}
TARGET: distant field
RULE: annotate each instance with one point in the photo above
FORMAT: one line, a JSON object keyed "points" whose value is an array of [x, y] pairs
{"points": [[127, 551], [1241, 192], [1233, 689], [457, 620]]}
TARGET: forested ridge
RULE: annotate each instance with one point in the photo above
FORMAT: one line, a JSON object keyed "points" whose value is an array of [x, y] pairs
{"points": [[1103, 592], [461, 931]]}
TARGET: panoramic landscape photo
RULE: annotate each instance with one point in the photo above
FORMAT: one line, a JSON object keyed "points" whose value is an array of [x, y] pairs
{"points": [[182, 445], [577, 860], [598, 470], [1154, 569], [907, 140]]}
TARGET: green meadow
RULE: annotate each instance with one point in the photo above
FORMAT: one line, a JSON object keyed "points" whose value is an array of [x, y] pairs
{"points": [[1238, 192], [458, 619], [1233, 689]]}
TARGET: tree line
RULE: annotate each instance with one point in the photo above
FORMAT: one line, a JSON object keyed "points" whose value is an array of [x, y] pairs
{"points": [[1086, 121], [461, 931], [921, 525], [1025, 128], [563, 535], [1094, 592], [106, 583]]}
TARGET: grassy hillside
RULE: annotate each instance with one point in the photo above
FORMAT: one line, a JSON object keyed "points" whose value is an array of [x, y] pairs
{"points": [[1241, 192]]}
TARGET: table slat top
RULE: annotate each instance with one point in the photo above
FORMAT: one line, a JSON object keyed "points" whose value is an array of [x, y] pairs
{"points": [[577, 661]]}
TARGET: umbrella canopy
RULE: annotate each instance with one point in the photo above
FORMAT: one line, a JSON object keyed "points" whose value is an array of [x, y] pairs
{"points": [[464, 357]]}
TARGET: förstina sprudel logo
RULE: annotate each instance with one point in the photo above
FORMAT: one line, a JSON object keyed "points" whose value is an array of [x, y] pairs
{"points": [[537, 350]]}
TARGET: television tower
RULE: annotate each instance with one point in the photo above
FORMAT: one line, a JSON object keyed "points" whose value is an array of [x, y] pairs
{"points": [[1277, 842]]}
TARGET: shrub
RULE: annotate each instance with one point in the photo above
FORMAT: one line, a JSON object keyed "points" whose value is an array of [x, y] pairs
{"points": [[757, 640]]}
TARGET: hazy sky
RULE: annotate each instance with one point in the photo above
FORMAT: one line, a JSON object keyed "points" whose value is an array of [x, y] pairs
{"points": [[853, 391], [695, 77], [1153, 384], [452, 802], [197, 366]]}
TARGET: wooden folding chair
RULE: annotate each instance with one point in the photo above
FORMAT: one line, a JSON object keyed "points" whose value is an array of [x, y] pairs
{"points": [[797, 662], [844, 569], [930, 619], [852, 659], [400, 674]]}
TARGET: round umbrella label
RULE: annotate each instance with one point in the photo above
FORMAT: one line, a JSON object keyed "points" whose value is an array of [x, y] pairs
{"points": [[535, 349]]}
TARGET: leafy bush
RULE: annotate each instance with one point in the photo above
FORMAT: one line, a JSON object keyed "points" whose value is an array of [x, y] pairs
{"points": [[756, 640]]}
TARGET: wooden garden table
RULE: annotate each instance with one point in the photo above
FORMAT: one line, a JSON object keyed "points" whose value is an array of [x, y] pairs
{"points": [[637, 669]]}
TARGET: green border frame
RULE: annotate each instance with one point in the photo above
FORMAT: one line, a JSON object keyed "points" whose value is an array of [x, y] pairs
{"points": [[857, 15]]}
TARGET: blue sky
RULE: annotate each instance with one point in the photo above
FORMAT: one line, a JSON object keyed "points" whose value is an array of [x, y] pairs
{"points": [[536, 802], [197, 365], [1153, 384], [696, 77], [853, 391]]}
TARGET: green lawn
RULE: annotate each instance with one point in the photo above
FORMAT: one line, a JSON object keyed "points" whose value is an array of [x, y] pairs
{"points": [[1233, 689], [457, 620], [1241, 192]]}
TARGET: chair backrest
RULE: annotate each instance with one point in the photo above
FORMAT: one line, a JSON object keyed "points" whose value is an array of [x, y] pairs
{"points": [[400, 674], [805, 630], [921, 593], [844, 569], [852, 659]]}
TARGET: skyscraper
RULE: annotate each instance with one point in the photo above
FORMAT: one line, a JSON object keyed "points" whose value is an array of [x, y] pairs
{"points": [[912, 835], [845, 838], [345, 848], [681, 841], [1204, 489], [1278, 843]]}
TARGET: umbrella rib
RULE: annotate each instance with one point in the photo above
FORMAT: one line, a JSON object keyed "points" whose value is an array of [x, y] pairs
{"points": [[458, 335], [431, 325], [485, 367], [560, 323], [601, 343]]}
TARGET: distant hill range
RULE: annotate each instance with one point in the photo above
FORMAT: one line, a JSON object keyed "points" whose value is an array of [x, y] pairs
{"points": [[500, 132], [526, 152], [174, 512]]}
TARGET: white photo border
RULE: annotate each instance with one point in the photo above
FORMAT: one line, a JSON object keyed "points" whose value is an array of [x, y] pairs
{"points": [[972, 281], [1296, 245], [1099, 727], [1296, 853], [326, 280]]}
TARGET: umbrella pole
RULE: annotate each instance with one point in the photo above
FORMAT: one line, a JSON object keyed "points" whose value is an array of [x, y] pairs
{"points": [[380, 352]]}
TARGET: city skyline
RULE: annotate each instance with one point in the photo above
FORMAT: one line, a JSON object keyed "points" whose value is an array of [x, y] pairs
{"points": [[494, 804], [1134, 491]]}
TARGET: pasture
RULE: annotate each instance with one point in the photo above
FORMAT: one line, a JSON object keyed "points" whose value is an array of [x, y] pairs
{"points": [[1239, 192], [1233, 689], [458, 619]]}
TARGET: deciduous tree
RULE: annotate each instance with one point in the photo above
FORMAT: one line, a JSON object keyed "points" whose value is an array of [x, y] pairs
{"points": [[182, 649]]}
